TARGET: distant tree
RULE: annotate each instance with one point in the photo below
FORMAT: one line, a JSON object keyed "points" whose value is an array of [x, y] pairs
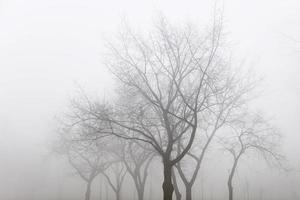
{"points": [[251, 133], [137, 160], [88, 158], [115, 177]]}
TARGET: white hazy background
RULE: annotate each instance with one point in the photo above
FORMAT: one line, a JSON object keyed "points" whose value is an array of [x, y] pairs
{"points": [[48, 46]]}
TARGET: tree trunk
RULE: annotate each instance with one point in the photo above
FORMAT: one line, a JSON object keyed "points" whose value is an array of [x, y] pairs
{"points": [[167, 184], [176, 188], [140, 194], [88, 190], [118, 195], [188, 192], [140, 188], [230, 178], [230, 190]]}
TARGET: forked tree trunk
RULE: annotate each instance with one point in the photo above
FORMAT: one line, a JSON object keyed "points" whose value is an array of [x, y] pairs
{"points": [[140, 188], [167, 184]]}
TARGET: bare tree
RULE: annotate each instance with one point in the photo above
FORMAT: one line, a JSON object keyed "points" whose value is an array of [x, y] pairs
{"points": [[168, 83], [251, 133], [136, 159], [86, 157], [115, 178], [228, 100]]}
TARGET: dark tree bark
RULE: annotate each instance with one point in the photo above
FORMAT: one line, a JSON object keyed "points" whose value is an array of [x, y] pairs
{"points": [[167, 184]]}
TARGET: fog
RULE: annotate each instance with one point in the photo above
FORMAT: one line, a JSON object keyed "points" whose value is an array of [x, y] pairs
{"points": [[48, 48]]}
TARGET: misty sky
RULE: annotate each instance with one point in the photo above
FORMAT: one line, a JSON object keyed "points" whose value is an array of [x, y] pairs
{"points": [[47, 47]]}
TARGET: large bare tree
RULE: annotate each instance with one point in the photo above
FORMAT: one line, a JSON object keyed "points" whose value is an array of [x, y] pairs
{"points": [[168, 82]]}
